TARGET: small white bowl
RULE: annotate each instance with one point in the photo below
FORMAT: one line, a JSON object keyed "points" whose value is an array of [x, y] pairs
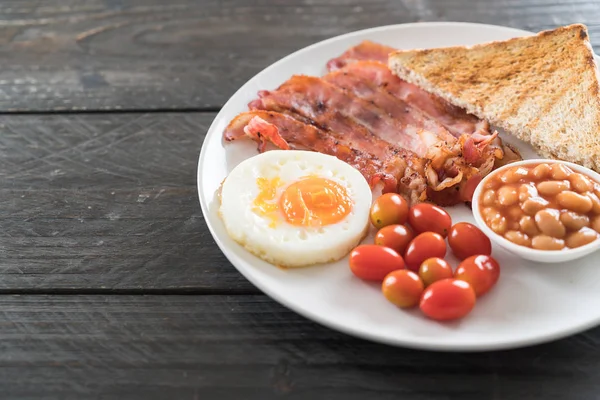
{"points": [[546, 256]]}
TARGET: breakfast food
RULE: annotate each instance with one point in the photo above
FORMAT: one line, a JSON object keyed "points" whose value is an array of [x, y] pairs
{"points": [[366, 50], [542, 88], [425, 217], [388, 209], [373, 81], [396, 237], [448, 299], [378, 162], [397, 135], [481, 271], [403, 288], [545, 206], [413, 270], [373, 263], [295, 208], [424, 246], [435, 269], [467, 240], [375, 74], [418, 123]]}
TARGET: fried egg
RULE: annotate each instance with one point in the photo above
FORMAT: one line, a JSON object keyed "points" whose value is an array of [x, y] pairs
{"points": [[295, 208]]}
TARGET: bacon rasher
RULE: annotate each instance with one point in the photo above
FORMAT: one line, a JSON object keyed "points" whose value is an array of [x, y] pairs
{"points": [[454, 119], [391, 131], [413, 119], [330, 107], [392, 168], [365, 50]]}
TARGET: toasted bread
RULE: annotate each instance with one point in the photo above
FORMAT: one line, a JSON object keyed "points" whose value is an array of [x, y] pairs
{"points": [[542, 88]]}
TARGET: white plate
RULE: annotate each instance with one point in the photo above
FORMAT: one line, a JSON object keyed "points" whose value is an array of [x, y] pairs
{"points": [[531, 303]]}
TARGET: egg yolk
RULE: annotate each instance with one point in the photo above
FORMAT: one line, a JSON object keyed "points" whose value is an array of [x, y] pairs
{"points": [[264, 203], [311, 201], [315, 201]]}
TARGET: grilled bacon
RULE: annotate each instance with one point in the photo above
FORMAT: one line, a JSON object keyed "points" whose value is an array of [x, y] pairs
{"points": [[454, 119], [391, 131], [365, 50], [286, 132], [416, 123], [330, 107]]}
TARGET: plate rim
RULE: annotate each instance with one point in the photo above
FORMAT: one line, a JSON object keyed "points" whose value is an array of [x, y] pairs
{"points": [[317, 318]]}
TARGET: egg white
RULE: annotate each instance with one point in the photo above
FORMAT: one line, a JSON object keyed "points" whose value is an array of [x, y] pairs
{"points": [[285, 244]]}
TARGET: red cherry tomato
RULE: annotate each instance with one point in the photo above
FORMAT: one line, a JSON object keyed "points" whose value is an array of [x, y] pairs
{"points": [[389, 209], [434, 269], [467, 240], [396, 237], [402, 288], [481, 271], [424, 246], [425, 217], [373, 263], [468, 189], [447, 299]]}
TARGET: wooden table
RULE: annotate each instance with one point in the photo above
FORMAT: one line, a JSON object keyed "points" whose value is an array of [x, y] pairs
{"points": [[111, 285]]}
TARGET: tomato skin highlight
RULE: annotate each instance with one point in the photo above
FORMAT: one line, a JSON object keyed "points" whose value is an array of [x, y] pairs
{"points": [[447, 300], [389, 209], [402, 288], [422, 247], [480, 271], [372, 262], [434, 269], [467, 240], [396, 237], [426, 217]]}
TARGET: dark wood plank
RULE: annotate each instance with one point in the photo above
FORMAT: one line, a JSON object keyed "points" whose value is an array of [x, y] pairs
{"points": [[152, 54], [247, 347], [106, 202]]}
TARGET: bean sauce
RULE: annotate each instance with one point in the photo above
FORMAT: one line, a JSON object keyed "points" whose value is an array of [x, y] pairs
{"points": [[542, 206]]}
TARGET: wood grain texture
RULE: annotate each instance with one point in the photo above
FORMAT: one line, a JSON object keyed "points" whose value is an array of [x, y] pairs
{"points": [[246, 347], [106, 202], [153, 54]]}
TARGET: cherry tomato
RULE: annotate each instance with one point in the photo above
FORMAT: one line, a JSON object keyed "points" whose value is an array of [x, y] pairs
{"points": [[481, 271], [424, 246], [396, 237], [434, 269], [447, 299], [372, 262], [402, 288], [468, 189], [467, 240], [425, 217], [389, 209]]}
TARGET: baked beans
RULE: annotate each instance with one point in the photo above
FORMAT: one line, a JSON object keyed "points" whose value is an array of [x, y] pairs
{"points": [[574, 221], [545, 206], [595, 223], [528, 226]]}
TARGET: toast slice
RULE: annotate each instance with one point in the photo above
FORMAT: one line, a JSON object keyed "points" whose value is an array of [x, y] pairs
{"points": [[542, 88]]}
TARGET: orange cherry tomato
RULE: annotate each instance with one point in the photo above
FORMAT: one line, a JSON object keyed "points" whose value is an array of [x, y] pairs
{"points": [[424, 246], [481, 271], [396, 237], [425, 217], [372, 262], [467, 240], [402, 288], [389, 209], [434, 269], [447, 299]]}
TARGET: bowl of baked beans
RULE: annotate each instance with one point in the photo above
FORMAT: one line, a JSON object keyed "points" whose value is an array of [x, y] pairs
{"points": [[542, 210]]}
